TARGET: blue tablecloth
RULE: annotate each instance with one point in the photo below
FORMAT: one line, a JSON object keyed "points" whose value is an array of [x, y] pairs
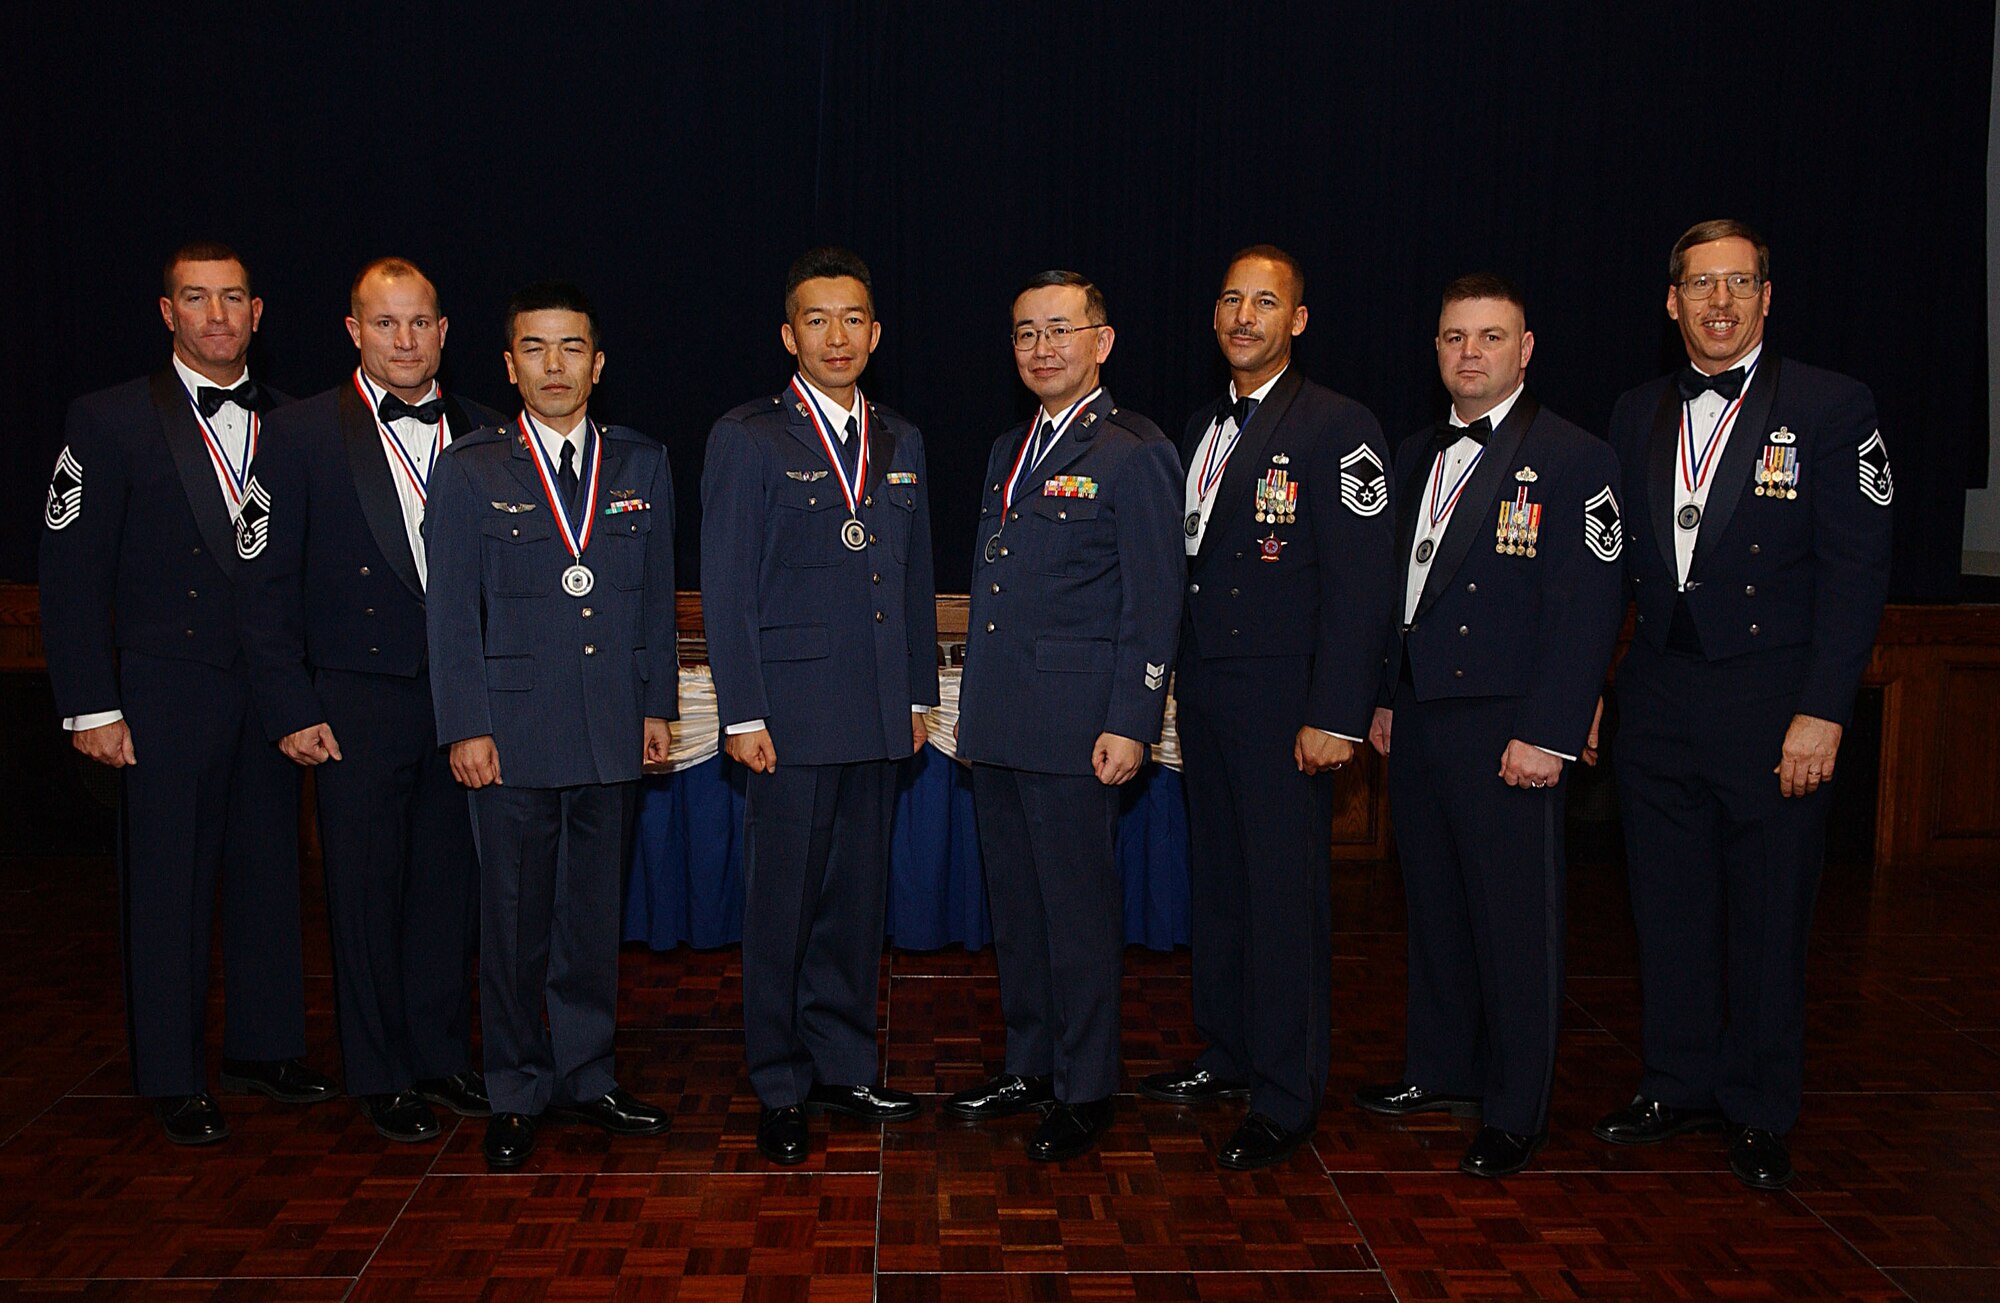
{"points": [[686, 885]]}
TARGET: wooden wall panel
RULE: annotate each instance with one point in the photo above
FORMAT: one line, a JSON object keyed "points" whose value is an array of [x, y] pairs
{"points": [[1968, 753]]}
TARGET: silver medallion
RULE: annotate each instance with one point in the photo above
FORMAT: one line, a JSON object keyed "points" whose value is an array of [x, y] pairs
{"points": [[1425, 550], [993, 549], [854, 535], [577, 581], [1688, 517], [1193, 523]]}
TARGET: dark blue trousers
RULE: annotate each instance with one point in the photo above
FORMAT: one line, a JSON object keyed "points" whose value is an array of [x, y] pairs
{"points": [[402, 885], [815, 876], [551, 862], [1724, 872], [1260, 835], [1484, 876], [209, 801], [1058, 923]]}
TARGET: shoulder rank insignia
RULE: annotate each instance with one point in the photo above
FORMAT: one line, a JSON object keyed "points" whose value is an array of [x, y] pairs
{"points": [[1070, 486], [65, 492], [805, 477], [1364, 484], [253, 521], [513, 508], [901, 477], [1156, 676], [1520, 525], [1603, 531], [1526, 475], [1878, 483]]}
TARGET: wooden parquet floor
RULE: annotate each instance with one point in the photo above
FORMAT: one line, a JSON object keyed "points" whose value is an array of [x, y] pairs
{"points": [[1898, 1193]]}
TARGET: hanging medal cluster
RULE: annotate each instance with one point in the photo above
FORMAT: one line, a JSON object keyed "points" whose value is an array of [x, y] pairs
{"points": [[1778, 472], [1520, 524], [1277, 499]]}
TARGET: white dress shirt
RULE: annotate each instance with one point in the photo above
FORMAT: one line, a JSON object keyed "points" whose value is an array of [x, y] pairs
{"points": [[1221, 433], [421, 442], [1701, 414], [1458, 458]]}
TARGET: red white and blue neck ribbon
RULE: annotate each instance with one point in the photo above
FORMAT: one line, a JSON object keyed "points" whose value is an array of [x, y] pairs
{"points": [[1061, 423], [1212, 466], [576, 538], [1696, 466], [419, 477], [1442, 502], [236, 480], [824, 428]]}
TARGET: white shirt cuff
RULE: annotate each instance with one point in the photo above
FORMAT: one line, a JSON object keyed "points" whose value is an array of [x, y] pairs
{"points": [[915, 709], [1557, 754], [80, 723], [747, 726], [1330, 733]]}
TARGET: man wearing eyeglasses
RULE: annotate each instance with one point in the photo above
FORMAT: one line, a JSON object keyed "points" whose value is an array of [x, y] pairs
{"points": [[1289, 540], [821, 615], [333, 625], [139, 578], [1759, 492], [1076, 590]]}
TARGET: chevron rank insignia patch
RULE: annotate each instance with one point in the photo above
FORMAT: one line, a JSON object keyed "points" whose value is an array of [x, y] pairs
{"points": [[1156, 676], [253, 522], [1878, 482], [1364, 485], [65, 492], [1603, 531]]}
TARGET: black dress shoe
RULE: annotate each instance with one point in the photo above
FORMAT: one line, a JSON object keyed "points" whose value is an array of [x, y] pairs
{"points": [[1191, 1085], [190, 1119], [402, 1116], [618, 1112], [1261, 1142], [1494, 1152], [1648, 1121], [464, 1093], [1400, 1099], [876, 1103], [782, 1135], [510, 1138], [1070, 1130], [286, 1080], [1759, 1158], [1001, 1096]]}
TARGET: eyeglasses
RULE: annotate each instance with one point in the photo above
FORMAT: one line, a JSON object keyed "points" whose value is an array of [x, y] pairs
{"points": [[1742, 284], [1026, 337]]}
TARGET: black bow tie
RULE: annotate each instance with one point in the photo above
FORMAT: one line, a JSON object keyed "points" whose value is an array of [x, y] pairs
{"points": [[1240, 410], [1448, 434], [208, 400], [392, 408], [1694, 384]]}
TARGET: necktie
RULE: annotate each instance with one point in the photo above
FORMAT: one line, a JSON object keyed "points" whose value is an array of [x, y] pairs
{"points": [[1694, 384], [1448, 434], [1043, 438], [850, 449], [392, 408], [248, 396], [1240, 411], [566, 476]]}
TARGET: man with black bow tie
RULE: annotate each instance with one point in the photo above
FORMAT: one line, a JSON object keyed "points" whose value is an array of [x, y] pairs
{"points": [[151, 499], [333, 624], [1759, 490], [1290, 545], [1076, 583], [817, 596], [555, 677], [1508, 540]]}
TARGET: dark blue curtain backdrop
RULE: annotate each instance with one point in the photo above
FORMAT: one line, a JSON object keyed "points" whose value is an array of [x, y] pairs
{"points": [[673, 158]]}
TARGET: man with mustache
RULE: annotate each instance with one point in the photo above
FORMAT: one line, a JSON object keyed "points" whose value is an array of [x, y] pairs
{"points": [[1760, 491], [821, 615], [333, 624], [1289, 540], [551, 622], [1508, 543], [1076, 583], [149, 505]]}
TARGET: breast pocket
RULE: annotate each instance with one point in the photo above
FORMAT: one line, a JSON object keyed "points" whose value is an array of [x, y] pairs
{"points": [[1068, 534], [895, 521], [805, 525], [618, 548], [514, 560]]}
